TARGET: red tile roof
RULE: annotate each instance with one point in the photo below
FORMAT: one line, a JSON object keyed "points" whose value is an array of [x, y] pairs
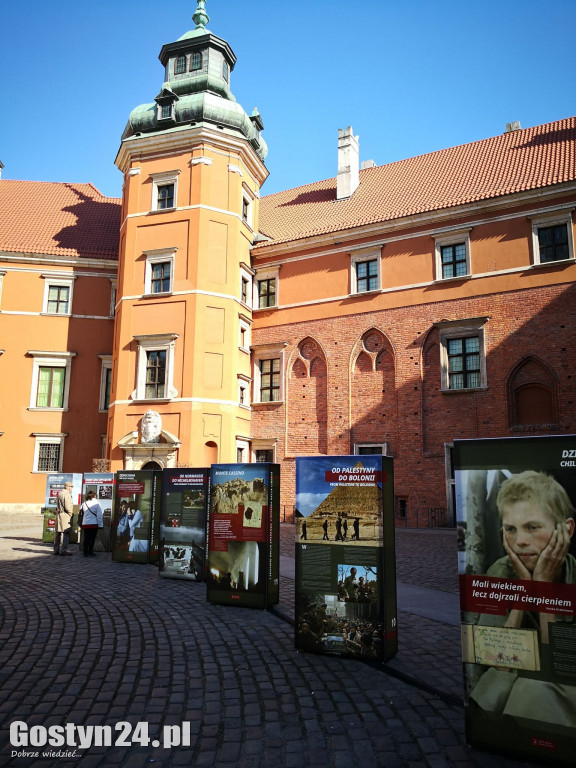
{"points": [[512, 162], [50, 218]]}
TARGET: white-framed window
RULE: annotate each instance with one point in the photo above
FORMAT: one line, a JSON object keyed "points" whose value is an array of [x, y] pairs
{"points": [[105, 381], [242, 450], [113, 293], [270, 369], [268, 378], [50, 388], [263, 451], [364, 449], [246, 285], [164, 190], [166, 110], [155, 367], [243, 391], [247, 206], [58, 291], [159, 275], [2, 273], [196, 61], [452, 254], [463, 354], [266, 288], [244, 333], [552, 237], [365, 271], [48, 451], [244, 290]]}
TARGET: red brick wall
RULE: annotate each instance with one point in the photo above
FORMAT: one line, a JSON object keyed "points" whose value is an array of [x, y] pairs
{"points": [[398, 398]]}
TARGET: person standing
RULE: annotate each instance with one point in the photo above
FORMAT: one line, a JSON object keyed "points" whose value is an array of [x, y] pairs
{"points": [[339, 530], [64, 512], [92, 519], [135, 521], [325, 529]]}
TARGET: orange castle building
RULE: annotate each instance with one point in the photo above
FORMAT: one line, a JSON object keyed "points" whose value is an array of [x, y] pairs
{"points": [[390, 309]]}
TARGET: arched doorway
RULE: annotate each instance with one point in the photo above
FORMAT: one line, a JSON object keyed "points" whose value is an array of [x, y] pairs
{"points": [[151, 465]]}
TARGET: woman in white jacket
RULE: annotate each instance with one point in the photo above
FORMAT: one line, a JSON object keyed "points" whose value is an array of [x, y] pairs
{"points": [[91, 521]]}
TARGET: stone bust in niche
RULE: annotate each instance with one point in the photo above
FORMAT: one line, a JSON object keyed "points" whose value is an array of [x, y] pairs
{"points": [[151, 427]]}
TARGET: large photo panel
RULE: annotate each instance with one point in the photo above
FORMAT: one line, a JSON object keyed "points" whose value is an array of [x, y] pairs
{"points": [[515, 501], [243, 531], [183, 524], [345, 563], [136, 520]]}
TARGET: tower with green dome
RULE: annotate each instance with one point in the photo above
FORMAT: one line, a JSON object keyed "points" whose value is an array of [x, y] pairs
{"points": [[196, 90], [193, 165]]}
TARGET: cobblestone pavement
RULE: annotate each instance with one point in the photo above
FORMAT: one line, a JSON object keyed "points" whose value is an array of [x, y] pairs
{"points": [[93, 642]]}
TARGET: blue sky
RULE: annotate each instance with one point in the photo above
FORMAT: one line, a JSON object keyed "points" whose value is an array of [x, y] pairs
{"points": [[410, 77]]}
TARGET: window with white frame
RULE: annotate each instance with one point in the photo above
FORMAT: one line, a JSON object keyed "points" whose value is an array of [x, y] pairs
{"points": [[268, 366], [452, 254], [50, 380], [196, 61], [58, 291], [270, 380], [48, 451], [244, 290], [552, 237], [463, 356], [155, 367], [245, 286], [155, 387], [105, 382], [166, 111], [164, 190], [159, 271], [263, 451], [244, 333], [243, 391], [266, 288], [2, 273], [365, 449], [365, 272], [242, 450], [247, 205]]}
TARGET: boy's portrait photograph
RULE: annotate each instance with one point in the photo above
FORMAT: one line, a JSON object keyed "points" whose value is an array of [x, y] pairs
{"points": [[516, 523]]}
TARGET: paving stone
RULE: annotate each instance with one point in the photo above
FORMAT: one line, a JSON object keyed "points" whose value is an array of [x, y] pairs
{"points": [[144, 649]]}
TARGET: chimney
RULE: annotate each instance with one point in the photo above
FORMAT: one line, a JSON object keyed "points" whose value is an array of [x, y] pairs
{"points": [[367, 164], [348, 163], [515, 126], [1, 166]]}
